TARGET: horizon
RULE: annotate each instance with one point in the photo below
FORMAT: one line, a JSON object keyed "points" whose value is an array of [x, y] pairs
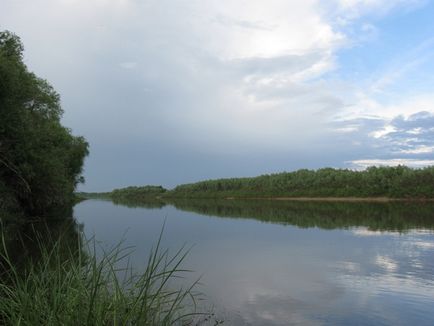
{"points": [[174, 92]]}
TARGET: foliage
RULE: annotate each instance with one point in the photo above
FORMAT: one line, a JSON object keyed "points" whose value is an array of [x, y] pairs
{"points": [[40, 160], [82, 290], [393, 182], [137, 193]]}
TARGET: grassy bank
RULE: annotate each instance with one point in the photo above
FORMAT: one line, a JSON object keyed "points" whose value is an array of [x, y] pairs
{"points": [[73, 287]]}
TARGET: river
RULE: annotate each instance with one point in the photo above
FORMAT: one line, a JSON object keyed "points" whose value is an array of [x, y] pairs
{"points": [[274, 263]]}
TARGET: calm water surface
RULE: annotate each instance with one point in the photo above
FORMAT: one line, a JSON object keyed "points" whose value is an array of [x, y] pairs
{"points": [[284, 264]]}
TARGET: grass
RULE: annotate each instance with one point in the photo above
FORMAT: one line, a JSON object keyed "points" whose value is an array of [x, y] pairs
{"points": [[85, 290]]}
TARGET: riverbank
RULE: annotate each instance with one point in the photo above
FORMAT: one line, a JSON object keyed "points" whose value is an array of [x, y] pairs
{"points": [[65, 282], [168, 198], [337, 199], [383, 184]]}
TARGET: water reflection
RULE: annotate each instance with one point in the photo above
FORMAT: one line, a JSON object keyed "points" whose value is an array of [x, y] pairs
{"points": [[376, 216], [311, 264], [22, 241]]}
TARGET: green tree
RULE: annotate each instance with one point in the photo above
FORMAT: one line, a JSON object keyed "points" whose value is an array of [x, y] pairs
{"points": [[40, 160]]}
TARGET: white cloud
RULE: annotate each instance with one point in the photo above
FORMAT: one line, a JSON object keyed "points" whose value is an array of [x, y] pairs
{"points": [[290, 28], [382, 132], [415, 131], [418, 150], [362, 164], [366, 106]]}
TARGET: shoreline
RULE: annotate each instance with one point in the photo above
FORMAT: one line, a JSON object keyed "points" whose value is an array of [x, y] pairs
{"points": [[336, 199], [281, 198]]}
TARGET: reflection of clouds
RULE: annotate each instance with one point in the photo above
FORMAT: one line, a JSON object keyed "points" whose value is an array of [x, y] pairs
{"points": [[371, 274], [390, 299], [405, 271], [397, 274], [269, 284], [302, 300], [424, 244], [386, 263], [348, 267], [419, 248], [271, 310], [364, 232], [410, 289]]}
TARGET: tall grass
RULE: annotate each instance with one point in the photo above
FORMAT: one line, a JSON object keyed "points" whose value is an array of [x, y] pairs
{"points": [[74, 287]]}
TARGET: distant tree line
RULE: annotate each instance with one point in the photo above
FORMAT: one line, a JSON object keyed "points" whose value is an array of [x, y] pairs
{"points": [[40, 160], [393, 182], [137, 193]]}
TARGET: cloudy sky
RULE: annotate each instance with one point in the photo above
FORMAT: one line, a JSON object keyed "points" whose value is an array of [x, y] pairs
{"points": [[175, 91]]}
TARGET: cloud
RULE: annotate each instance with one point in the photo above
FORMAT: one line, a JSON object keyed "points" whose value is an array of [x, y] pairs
{"points": [[413, 134], [391, 162], [388, 142], [352, 9], [232, 79]]}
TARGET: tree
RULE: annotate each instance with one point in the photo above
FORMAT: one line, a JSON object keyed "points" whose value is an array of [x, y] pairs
{"points": [[40, 160]]}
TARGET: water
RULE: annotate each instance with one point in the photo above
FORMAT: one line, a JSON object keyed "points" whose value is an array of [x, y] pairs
{"points": [[280, 263]]}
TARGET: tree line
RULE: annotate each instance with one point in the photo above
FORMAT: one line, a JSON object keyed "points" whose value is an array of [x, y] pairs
{"points": [[398, 182], [392, 182]]}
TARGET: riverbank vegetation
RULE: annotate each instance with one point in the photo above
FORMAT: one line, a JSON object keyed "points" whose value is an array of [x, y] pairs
{"points": [[399, 182], [68, 285], [40, 160], [391, 182], [138, 193]]}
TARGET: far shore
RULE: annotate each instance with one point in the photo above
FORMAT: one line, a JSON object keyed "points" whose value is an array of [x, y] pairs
{"points": [[338, 199], [278, 198]]}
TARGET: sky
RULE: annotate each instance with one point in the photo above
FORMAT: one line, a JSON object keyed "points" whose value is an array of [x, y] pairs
{"points": [[169, 92]]}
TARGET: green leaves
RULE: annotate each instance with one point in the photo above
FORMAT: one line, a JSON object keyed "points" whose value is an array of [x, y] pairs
{"points": [[393, 182], [10, 45], [40, 160]]}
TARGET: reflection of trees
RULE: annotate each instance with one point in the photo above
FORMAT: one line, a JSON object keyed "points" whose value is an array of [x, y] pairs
{"points": [[397, 216], [23, 242], [387, 216], [134, 203]]}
